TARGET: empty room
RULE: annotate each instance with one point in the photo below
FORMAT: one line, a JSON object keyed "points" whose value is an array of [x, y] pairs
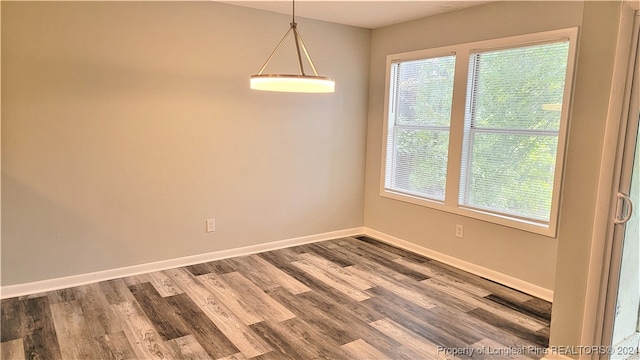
{"points": [[320, 179]]}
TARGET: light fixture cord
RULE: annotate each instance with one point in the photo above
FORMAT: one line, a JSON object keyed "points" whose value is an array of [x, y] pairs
{"points": [[296, 37]]}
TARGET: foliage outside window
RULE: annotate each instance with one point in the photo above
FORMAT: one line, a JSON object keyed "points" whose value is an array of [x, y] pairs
{"points": [[505, 156]]}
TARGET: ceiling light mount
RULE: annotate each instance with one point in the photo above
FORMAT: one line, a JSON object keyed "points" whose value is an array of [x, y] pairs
{"points": [[288, 82]]}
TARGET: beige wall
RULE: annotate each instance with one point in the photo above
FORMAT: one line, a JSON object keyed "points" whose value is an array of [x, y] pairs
{"points": [[126, 124]]}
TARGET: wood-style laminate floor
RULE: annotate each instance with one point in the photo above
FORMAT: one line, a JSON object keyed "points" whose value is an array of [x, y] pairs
{"points": [[351, 298]]}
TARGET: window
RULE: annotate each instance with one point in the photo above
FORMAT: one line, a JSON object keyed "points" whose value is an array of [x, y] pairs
{"points": [[419, 139], [479, 129]]}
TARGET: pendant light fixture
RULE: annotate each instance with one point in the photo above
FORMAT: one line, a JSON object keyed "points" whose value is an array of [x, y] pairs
{"points": [[293, 83]]}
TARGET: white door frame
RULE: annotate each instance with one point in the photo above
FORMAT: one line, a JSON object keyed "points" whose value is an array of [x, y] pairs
{"points": [[624, 166], [602, 244]]}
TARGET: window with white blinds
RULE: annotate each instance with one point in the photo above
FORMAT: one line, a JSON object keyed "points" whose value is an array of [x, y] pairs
{"points": [[512, 124], [503, 161], [420, 114]]}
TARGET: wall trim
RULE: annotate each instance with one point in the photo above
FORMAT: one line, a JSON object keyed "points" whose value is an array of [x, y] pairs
{"points": [[83, 279], [492, 275]]}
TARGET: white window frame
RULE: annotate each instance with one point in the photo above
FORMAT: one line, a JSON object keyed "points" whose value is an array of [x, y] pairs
{"points": [[391, 116], [457, 124]]}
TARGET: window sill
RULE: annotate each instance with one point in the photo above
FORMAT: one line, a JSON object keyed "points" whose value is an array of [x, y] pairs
{"points": [[548, 230]]}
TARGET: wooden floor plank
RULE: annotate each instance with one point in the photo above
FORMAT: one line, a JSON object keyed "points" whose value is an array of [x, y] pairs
{"points": [[333, 281], [234, 328], [481, 329], [307, 339], [116, 291], [381, 257], [62, 295], [338, 327], [285, 255], [492, 287], [440, 331], [327, 254], [401, 253], [365, 263], [40, 339], [510, 326], [415, 296], [346, 298], [238, 356], [73, 335], [188, 348], [136, 279], [326, 298], [462, 285], [327, 326], [218, 267], [116, 346], [423, 348], [267, 276], [493, 349], [200, 269], [146, 341], [331, 301], [333, 270], [159, 312], [163, 284], [536, 308], [263, 304], [284, 262], [99, 315], [360, 349], [12, 325], [286, 342], [208, 335], [502, 311], [458, 332], [13, 349], [233, 300], [364, 248]]}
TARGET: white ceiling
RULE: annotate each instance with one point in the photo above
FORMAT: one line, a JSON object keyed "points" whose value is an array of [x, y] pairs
{"points": [[362, 13]]}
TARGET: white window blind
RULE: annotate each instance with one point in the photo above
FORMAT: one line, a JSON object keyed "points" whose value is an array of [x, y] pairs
{"points": [[418, 133], [512, 122]]}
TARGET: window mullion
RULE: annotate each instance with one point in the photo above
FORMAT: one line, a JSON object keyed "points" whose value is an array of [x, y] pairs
{"points": [[468, 166], [469, 106], [392, 127], [456, 128]]}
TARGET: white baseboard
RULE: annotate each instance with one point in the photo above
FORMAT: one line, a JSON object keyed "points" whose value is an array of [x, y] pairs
{"points": [[492, 275], [83, 279]]}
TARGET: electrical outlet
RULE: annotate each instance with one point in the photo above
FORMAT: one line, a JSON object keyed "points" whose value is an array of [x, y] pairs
{"points": [[211, 225], [459, 231]]}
